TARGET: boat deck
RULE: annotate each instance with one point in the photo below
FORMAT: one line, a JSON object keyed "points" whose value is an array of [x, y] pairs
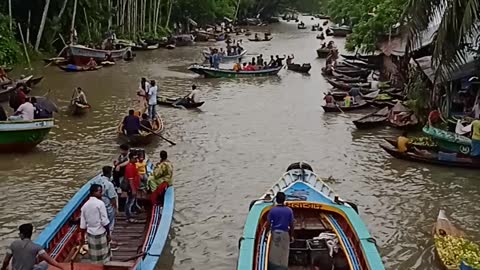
{"points": [[129, 236]]}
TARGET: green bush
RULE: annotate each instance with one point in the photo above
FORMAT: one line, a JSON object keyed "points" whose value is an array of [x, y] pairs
{"points": [[10, 52]]}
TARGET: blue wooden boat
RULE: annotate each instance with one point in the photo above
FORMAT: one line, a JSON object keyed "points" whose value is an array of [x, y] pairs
{"points": [[317, 210], [209, 72], [140, 245]]}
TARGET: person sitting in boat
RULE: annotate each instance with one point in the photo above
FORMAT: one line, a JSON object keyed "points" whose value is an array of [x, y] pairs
{"points": [[290, 59], [403, 143], [80, 97], [239, 49], [329, 100], [131, 124], [237, 66], [3, 114], [229, 50], [109, 58], [193, 97], [330, 44], [280, 221], [25, 112], [26, 254], [42, 110], [17, 98], [145, 124], [322, 37], [265, 37], [256, 36], [347, 100], [254, 62], [328, 70], [475, 138], [222, 52], [435, 118], [92, 63], [260, 60], [249, 67], [95, 223], [160, 179]]}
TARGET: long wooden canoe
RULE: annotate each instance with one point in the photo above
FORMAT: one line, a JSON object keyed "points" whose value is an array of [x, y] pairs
{"points": [[341, 108], [75, 68], [23, 136], [305, 68], [209, 72], [140, 245], [372, 120], [171, 101], [76, 108], [260, 39], [318, 212], [144, 138]]}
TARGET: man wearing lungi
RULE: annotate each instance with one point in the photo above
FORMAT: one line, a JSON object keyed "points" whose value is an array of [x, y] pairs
{"points": [[280, 219], [94, 221]]}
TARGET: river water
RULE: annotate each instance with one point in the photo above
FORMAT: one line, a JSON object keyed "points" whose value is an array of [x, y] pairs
{"points": [[230, 151]]}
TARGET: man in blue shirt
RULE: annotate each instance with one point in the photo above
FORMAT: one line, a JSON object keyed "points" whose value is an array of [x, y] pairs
{"points": [[131, 123], [280, 219]]}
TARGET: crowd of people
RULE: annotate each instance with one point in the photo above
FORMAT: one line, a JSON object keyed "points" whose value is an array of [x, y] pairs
{"points": [[215, 55], [258, 63], [128, 177]]}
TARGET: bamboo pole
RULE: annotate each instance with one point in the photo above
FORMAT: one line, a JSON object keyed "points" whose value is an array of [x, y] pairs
{"points": [[169, 13], [42, 25], [110, 8], [72, 26], [25, 45], [28, 25], [236, 11], [88, 27]]}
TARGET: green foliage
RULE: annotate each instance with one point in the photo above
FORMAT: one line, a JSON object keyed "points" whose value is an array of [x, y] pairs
{"points": [[10, 51], [418, 93], [371, 20]]}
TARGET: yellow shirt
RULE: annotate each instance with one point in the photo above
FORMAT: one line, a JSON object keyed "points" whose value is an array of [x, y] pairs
{"points": [[348, 101], [163, 172], [141, 167], [402, 144], [476, 130]]}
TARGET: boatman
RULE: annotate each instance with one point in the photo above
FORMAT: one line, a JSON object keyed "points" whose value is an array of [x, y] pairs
{"points": [[26, 254], [476, 138], [160, 179], [193, 97], [280, 221], [94, 221]]}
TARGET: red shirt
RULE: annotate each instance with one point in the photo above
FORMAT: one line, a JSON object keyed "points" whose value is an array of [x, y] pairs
{"points": [[131, 174], [434, 116], [21, 97]]}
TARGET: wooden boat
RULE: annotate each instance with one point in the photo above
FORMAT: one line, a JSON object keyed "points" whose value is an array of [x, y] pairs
{"points": [[305, 68], [209, 72], [339, 107], [318, 212], [226, 57], [449, 141], [372, 120], [301, 26], [170, 101], [75, 68], [418, 145], [352, 72], [432, 157], [76, 108], [183, 40], [260, 39], [323, 53], [340, 31], [144, 138], [145, 47], [347, 79], [140, 245], [452, 246], [23, 136], [55, 60], [402, 118], [170, 46], [359, 64], [80, 55], [347, 86]]}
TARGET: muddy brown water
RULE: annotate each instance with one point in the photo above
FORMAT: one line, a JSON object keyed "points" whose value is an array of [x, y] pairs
{"points": [[231, 150]]}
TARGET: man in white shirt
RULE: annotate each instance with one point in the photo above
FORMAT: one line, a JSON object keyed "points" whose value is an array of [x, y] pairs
{"points": [[193, 97], [94, 221], [25, 112], [152, 100]]}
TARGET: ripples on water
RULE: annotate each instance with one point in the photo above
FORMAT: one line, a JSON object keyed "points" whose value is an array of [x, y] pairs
{"points": [[231, 150]]}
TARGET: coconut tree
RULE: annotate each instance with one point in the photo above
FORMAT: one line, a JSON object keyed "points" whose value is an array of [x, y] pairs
{"points": [[457, 22]]}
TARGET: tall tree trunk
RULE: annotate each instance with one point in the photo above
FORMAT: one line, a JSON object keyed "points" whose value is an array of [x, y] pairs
{"points": [[122, 19], [135, 19], [236, 11], [88, 27], [28, 26], [169, 13], [42, 25], [72, 25], [157, 18], [10, 14], [62, 10], [144, 13], [110, 9]]}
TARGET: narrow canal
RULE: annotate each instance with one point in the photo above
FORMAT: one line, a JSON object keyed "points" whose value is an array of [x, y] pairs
{"points": [[231, 151]]}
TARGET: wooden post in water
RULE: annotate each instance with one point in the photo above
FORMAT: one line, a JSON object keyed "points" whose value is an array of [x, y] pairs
{"points": [[24, 46]]}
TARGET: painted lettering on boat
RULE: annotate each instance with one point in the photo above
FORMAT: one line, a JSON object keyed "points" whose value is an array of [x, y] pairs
{"points": [[304, 205]]}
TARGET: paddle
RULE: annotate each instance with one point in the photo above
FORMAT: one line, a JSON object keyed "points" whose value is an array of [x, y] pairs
{"points": [[338, 107], [153, 132]]}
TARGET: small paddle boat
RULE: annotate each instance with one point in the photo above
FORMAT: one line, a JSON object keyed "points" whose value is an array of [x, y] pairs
{"points": [[170, 102], [75, 68], [209, 72]]}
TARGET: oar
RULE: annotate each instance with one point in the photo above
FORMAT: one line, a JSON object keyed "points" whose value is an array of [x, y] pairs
{"points": [[338, 107], [153, 132]]}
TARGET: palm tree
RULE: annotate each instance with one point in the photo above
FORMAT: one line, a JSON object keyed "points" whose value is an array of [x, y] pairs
{"points": [[458, 25]]}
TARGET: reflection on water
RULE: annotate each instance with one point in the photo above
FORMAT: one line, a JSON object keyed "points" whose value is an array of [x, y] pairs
{"points": [[231, 150]]}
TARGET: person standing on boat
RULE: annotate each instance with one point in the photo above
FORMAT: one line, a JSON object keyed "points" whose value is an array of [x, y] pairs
{"points": [[152, 100], [142, 93], [25, 253], [476, 138], [280, 220], [109, 195], [132, 179], [120, 164], [94, 221], [160, 179]]}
